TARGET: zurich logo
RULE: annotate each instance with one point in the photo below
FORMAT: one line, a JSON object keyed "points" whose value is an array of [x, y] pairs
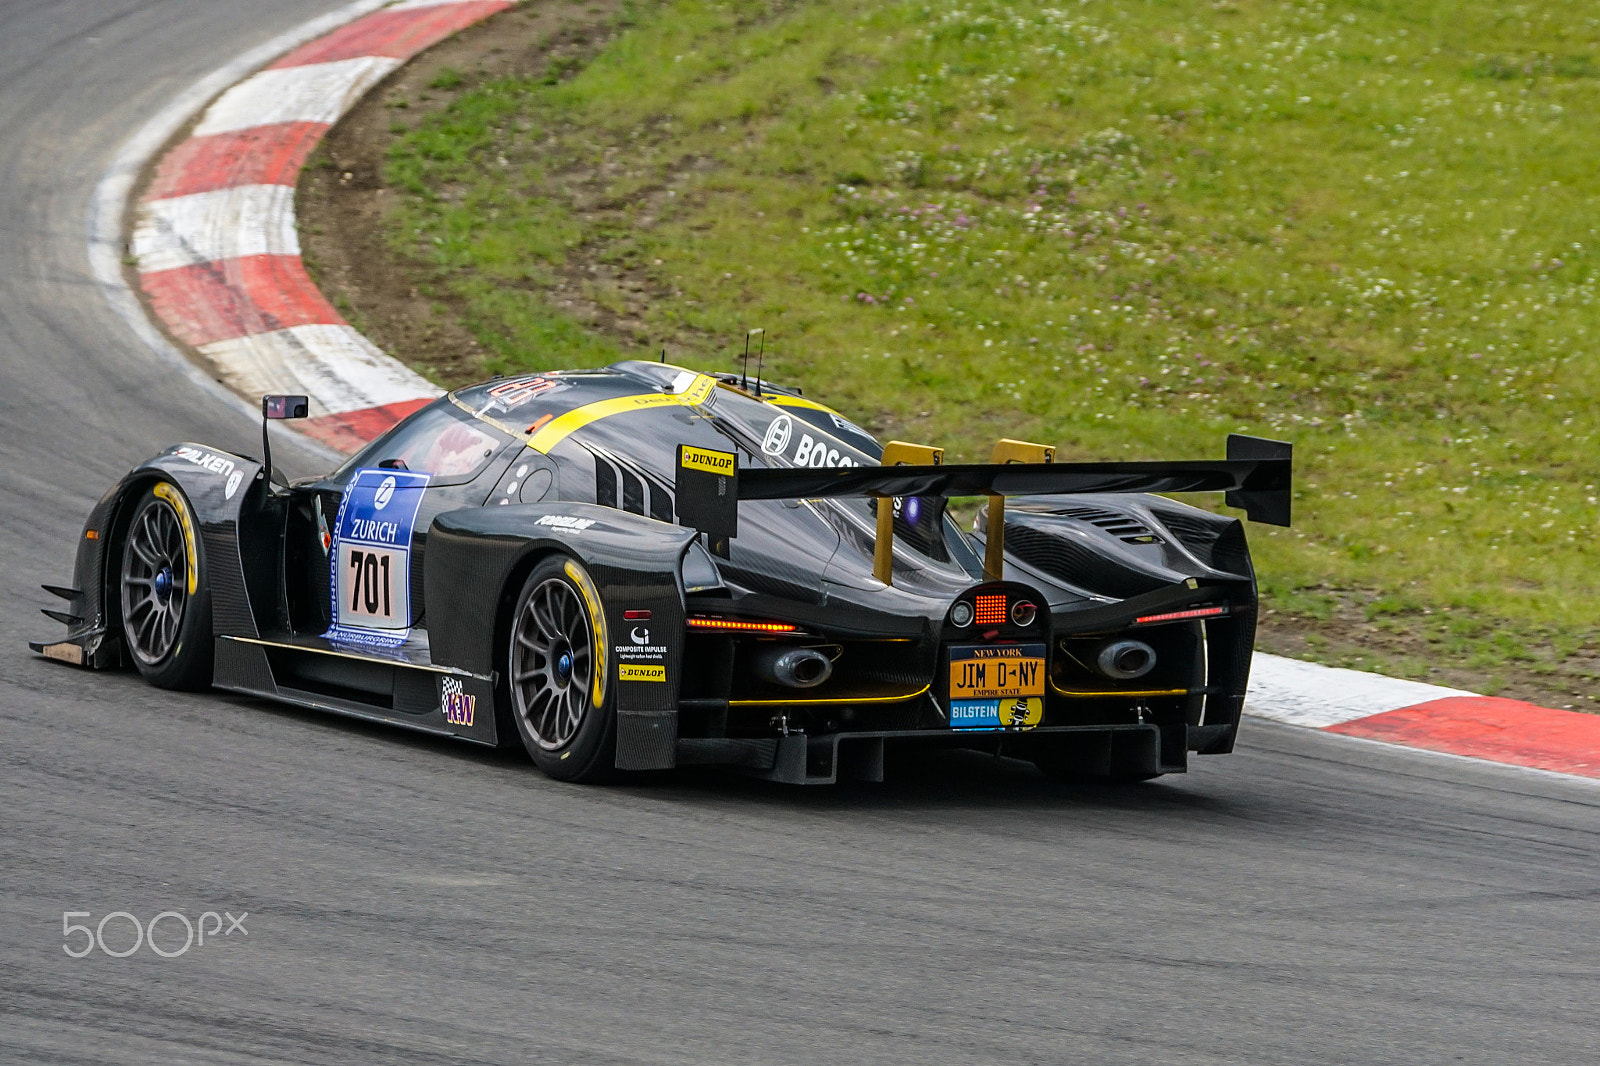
{"points": [[777, 438], [385, 493]]}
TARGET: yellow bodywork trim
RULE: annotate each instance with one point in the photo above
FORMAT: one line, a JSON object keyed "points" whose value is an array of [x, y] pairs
{"points": [[779, 399], [1007, 450], [841, 699], [895, 453], [192, 557], [1076, 694], [559, 428]]}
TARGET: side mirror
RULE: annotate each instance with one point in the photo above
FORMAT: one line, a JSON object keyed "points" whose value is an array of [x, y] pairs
{"points": [[278, 407], [285, 407]]}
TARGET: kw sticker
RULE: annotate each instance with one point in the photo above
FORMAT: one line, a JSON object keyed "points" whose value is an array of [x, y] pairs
{"points": [[637, 672], [458, 706], [711, 462]]}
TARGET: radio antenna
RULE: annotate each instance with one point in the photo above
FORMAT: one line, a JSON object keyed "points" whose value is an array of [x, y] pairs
{"points": [[760, 354], [744, 370]]}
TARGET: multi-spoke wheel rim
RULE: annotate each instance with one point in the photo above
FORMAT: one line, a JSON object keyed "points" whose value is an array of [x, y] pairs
{"points": [[552, 664], [155, 583]]}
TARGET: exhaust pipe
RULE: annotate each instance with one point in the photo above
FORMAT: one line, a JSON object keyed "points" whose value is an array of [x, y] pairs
{"points": [[791, 667], [1124, 660]]}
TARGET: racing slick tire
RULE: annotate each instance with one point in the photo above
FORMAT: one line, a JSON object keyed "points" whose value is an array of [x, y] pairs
{"points": [[163, 592], [558, 690]]}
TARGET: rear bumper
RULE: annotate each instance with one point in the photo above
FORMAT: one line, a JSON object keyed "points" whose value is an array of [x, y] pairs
{"points": [[799, 759]]}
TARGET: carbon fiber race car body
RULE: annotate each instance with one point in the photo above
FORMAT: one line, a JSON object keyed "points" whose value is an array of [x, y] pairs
{"points": [[642, 567]]}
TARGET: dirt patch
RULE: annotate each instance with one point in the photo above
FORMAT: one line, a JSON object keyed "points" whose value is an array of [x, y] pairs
{"points": [[1418, 645], [343, 205], [399, 302]]}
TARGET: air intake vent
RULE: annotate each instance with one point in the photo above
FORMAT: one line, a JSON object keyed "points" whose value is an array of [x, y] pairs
{"points": [[1118, 525], [1218, 543], [1079, 564], [1198, 536], [618, 483]]}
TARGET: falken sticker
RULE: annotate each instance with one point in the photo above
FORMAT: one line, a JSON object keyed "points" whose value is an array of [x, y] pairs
{"points": [[370, 564], [459, 708]]}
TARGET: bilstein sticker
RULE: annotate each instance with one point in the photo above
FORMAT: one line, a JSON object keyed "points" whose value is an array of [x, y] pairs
{"points": [[636, 672], [709, 461]]}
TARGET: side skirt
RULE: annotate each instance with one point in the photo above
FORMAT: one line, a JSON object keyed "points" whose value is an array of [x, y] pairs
{"points": [[375, 688]]}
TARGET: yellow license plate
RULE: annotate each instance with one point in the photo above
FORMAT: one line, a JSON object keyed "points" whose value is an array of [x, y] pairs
{"points": [[993, 672]]}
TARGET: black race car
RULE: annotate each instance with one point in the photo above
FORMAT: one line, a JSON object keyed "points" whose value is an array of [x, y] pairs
{"points": [[642, 567]]}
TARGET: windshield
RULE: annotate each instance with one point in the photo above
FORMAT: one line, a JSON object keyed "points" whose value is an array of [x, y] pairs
{"points": [[441, 440]]}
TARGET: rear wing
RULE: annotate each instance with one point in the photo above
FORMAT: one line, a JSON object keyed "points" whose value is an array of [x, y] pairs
{"points": [[1257, 476]]}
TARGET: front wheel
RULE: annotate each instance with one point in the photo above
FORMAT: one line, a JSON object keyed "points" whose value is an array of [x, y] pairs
{"points": [[560, 695], [166, 604]]}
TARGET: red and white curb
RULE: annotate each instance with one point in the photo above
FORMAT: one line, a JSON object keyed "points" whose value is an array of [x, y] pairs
{"points": [[219, 259], [1448, 720], [215, 242]]}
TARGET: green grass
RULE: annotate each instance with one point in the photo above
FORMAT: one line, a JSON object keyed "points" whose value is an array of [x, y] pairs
{"points": [[1123, 228]]}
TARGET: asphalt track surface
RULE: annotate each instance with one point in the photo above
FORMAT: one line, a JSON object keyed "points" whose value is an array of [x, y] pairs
{"points": [[1309, 899]]}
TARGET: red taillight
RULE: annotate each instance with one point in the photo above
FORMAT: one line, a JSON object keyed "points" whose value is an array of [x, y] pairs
{"points": [[990, 610], [737, 625], [636, 616], [1180, 616]]}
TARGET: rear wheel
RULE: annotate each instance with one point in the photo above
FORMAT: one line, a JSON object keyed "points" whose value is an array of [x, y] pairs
{"points": [[166, 605], [559, 692]]}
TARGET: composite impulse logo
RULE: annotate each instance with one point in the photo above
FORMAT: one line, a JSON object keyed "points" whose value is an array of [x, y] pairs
{"points": [[121, 933]]}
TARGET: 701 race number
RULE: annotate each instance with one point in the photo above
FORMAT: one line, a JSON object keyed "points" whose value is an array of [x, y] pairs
{"points": [[371, 594]]}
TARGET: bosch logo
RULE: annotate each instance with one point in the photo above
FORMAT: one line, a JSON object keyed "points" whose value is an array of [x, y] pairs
{"points": [[777, 438], [385, 493]]}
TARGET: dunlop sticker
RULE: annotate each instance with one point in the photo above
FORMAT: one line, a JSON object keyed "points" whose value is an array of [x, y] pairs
{"points": [[637, 672], [705, 459]]}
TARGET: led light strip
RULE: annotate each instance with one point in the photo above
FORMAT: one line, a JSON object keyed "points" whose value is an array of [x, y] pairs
{"points": [[1179, 616], [728, 625]]}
